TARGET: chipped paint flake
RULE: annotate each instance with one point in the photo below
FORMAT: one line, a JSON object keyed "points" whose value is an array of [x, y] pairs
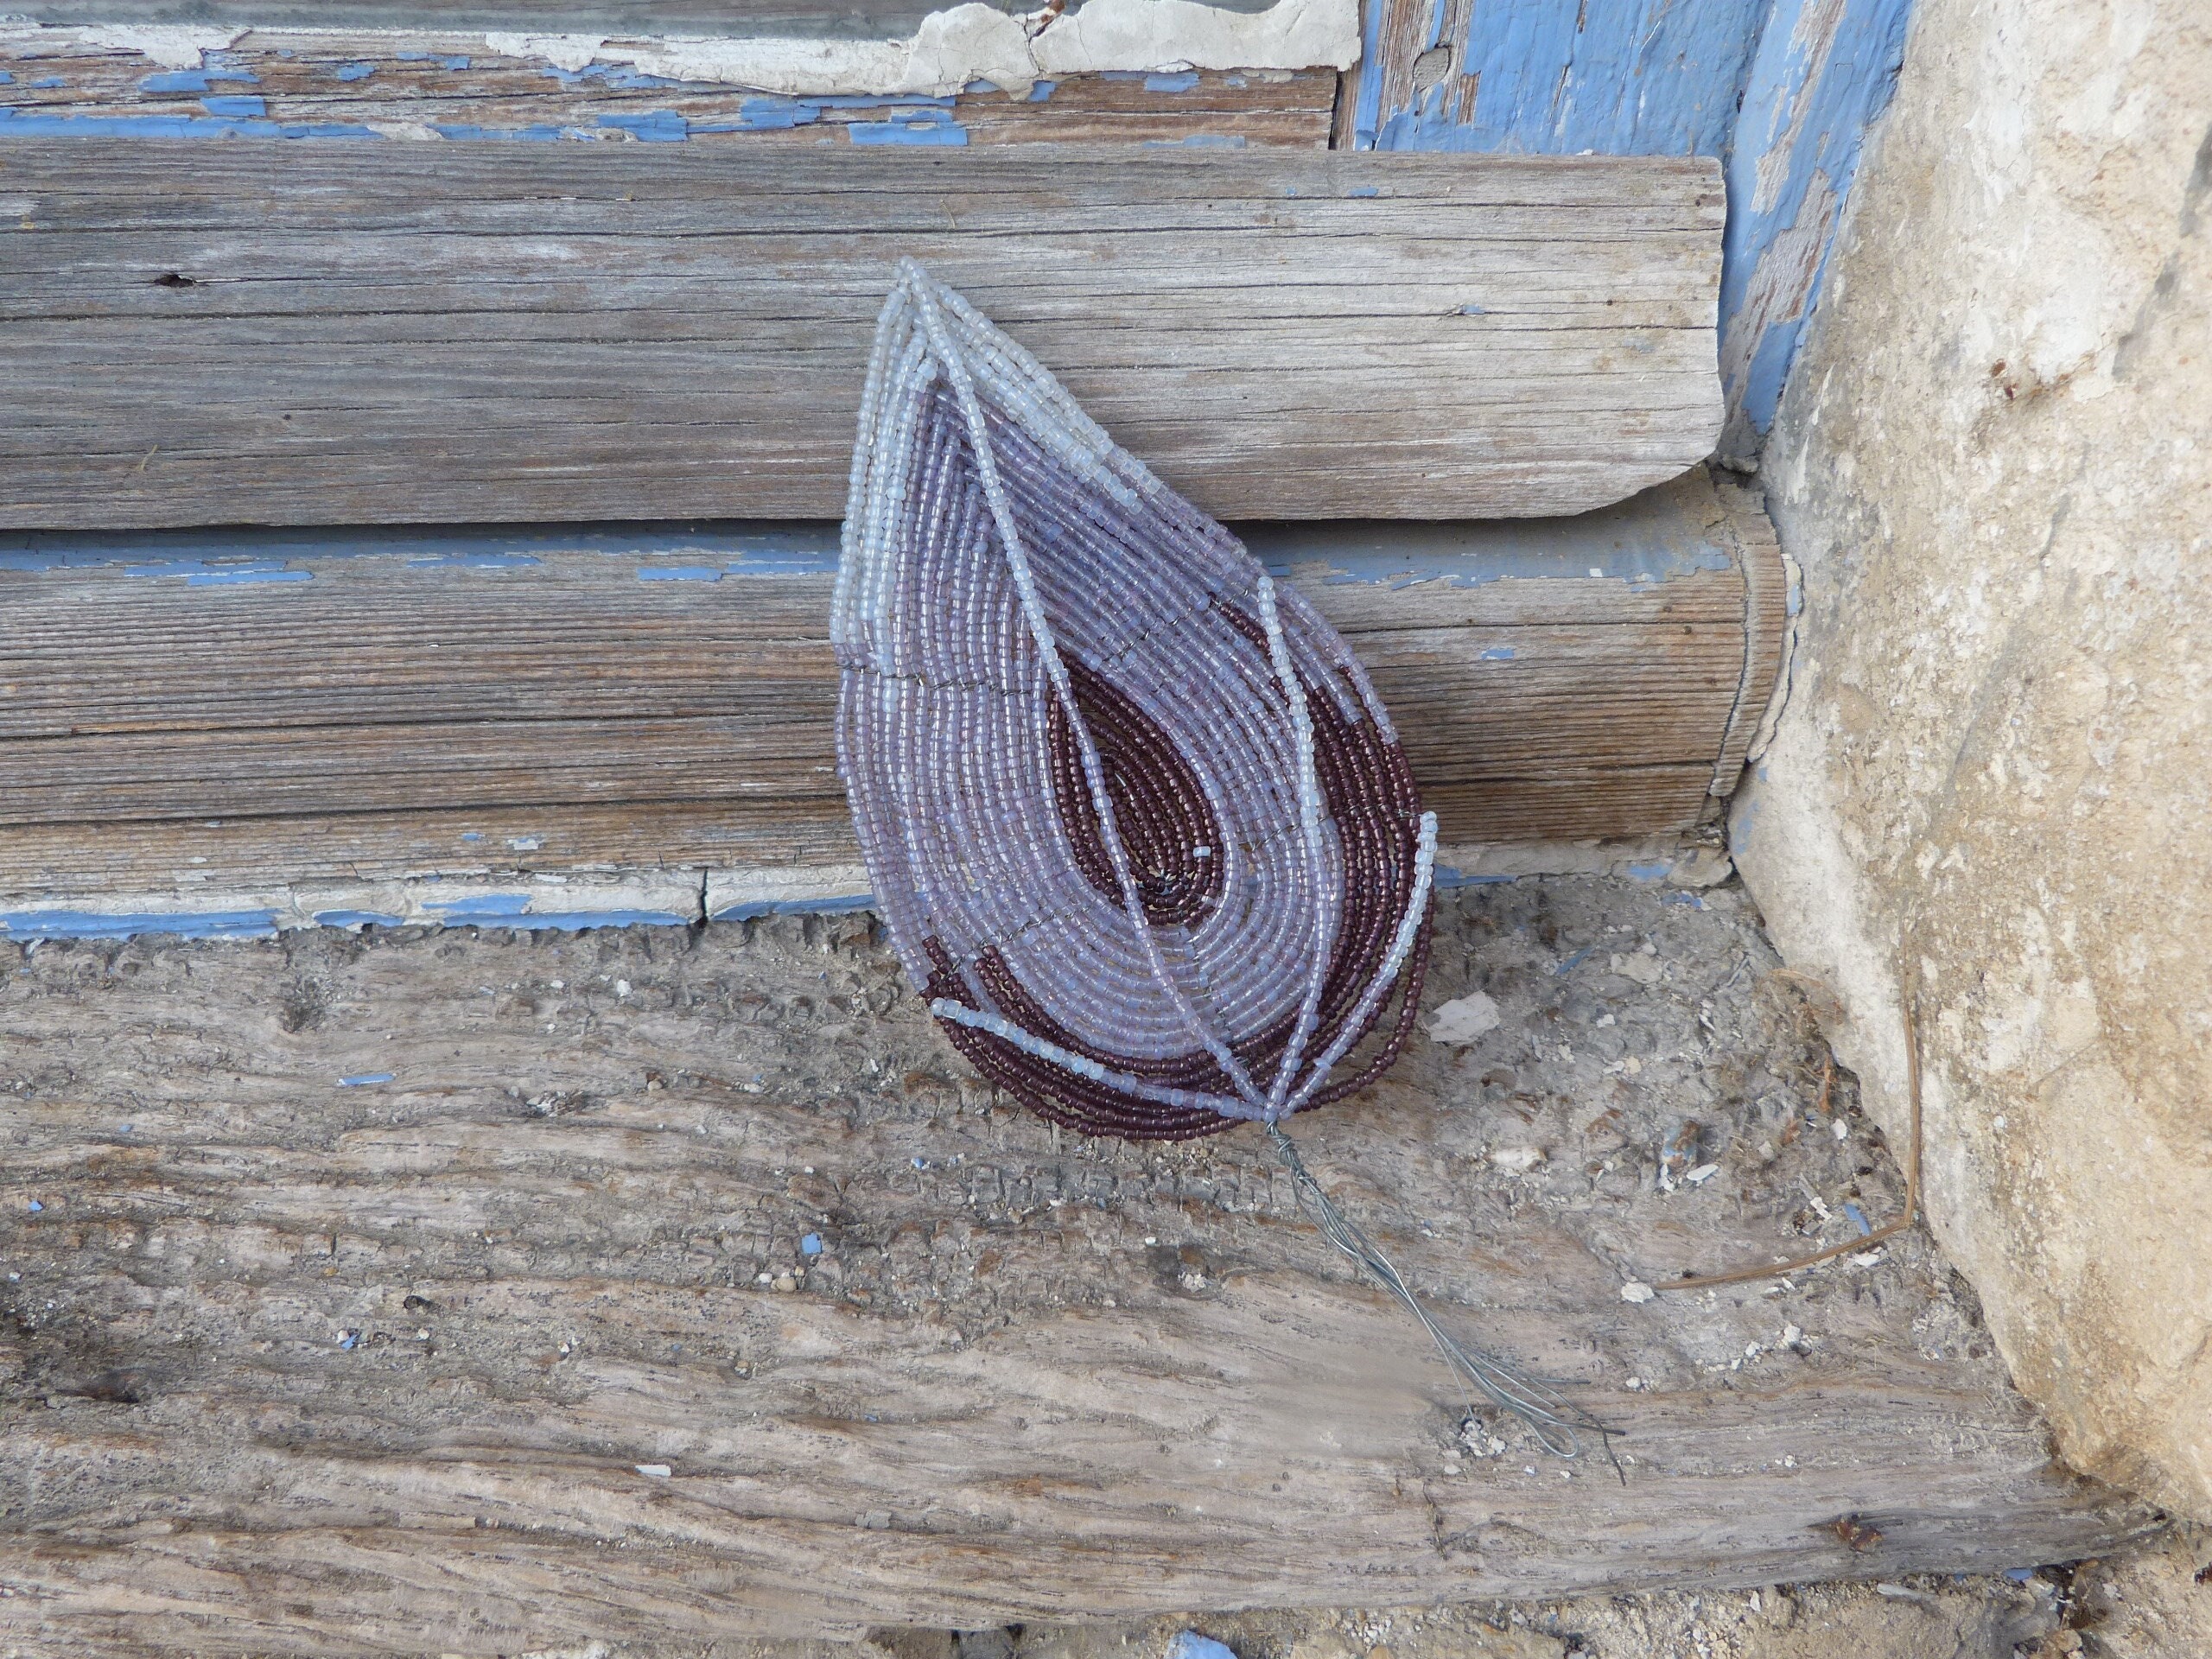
{"points": [[953, 48], [174, 46]]}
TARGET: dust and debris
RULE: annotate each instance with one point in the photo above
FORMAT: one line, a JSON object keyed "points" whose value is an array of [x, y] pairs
{"points": [[2135, 1606]]}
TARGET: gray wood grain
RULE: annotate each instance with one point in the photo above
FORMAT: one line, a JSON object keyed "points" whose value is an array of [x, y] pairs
{"points": [[358, 712], [204, 334], [293, 1366]]}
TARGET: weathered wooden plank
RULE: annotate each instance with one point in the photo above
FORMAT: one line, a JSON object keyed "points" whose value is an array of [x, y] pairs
{"points": [[1821, 78], [339, 335], [329, 84], [296, 1366], [1558, 680], [1785, 89], [802, 18]]}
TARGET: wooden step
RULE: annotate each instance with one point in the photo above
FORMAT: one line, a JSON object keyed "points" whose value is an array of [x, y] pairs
{"points": [[198, 723], [665, 1288], [199, 333]]}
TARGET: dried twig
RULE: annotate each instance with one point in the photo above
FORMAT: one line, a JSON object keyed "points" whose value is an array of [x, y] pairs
{"points": [[1888, 1229]]}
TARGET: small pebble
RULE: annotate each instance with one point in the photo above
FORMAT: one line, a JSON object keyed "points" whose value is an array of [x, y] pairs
{"points": [[1637, 1291]]}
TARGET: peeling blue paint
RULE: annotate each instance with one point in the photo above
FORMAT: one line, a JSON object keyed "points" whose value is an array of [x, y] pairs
{"points": [[365, 1079], [1364, 190], [196, 80], [775, 113], [354, 71], [513, 910], [450, 62], [1652, 872], [1044, 90], [1629, 78], [6, 79], [236, 106], [830, 905], [49, 83], [1172, 83], [583, 921], [620, 76], [18, 122], [652, 127], [926, 127], [479, 907], [770, 115], [1690, 899], [1563, 969], [1498, 654], [1824, 71], [679, 573], [198, 574], [460, 129], [97, 925]]}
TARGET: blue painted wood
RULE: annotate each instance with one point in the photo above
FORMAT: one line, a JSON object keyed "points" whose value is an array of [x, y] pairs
{"points": [[1559, 77], [1823, 72], [1783, 90]]}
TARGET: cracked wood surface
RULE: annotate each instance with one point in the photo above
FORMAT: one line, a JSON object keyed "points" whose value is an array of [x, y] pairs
{"points": [[679, 1284], [355, 334]]}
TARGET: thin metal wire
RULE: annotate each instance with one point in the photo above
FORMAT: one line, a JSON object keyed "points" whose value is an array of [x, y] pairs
{"points": [[1550, 1415]]}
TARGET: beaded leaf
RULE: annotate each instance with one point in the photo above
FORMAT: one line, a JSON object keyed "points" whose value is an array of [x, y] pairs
{"points": [[1139, 827]]}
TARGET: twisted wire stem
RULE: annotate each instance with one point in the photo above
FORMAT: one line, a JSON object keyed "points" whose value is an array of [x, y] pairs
{"points": [[1556, 1422]]}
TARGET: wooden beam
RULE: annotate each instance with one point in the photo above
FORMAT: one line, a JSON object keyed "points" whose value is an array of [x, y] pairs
{"points": [[330, 85], [1785, 89], [536, 704], [856, 19], [352, 334], [504, 1294]]}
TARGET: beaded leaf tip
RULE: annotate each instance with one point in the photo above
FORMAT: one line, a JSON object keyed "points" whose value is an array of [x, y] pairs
{"points": [[1139, 827]]}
